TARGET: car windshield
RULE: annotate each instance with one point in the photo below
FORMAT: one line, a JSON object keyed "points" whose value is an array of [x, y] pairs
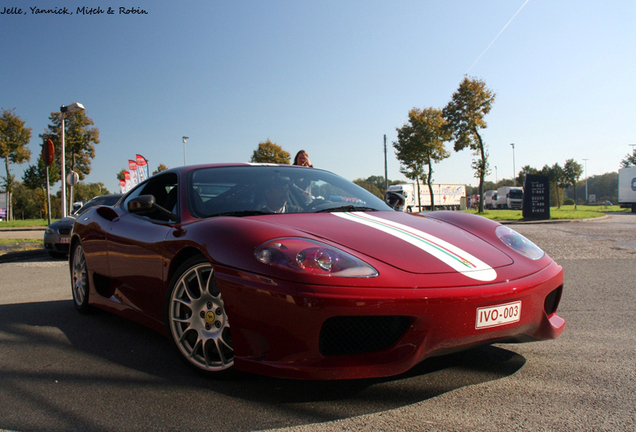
{"points": [[256, 190]]}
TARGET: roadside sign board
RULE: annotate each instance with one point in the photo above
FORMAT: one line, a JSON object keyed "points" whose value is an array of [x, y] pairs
{"points": [[536, 197]]}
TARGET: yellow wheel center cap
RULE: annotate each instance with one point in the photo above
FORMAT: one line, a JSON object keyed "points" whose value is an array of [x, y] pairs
{"points": [[210, 317]]}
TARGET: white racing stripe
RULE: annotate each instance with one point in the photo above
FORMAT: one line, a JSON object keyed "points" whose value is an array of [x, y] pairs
{"points": [[456, 258]]}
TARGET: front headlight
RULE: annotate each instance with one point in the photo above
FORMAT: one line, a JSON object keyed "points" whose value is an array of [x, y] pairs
{"points": [[303, 255], [48, 231], [519, 243]]}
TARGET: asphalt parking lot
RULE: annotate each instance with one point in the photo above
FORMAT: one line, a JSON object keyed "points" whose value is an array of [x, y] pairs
{"points": [[62, 371]]}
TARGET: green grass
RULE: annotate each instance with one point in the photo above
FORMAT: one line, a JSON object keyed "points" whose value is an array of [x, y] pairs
{"points": [[565, 212], [16, 245], [25, 223], [11, 242]]}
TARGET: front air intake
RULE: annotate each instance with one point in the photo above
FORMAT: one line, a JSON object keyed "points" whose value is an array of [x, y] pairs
{"points": [[360, 334], [552, 301]]}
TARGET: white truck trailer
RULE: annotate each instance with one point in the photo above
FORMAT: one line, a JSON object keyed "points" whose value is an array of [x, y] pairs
{"points": [[510, 197], [490, 199], [627, 188], [447, 196]]}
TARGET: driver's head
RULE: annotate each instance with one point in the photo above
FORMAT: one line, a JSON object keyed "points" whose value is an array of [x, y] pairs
{"points": [[276, 192]]}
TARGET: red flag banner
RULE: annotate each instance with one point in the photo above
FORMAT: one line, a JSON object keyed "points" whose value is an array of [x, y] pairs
{"points": [[142, 172]]}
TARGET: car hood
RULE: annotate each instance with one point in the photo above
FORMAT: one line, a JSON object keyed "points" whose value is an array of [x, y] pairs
{"points": [[411, 243], [67, 221]]}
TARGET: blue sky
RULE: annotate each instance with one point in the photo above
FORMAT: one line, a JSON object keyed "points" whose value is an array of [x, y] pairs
{"points": [[329, 77]]}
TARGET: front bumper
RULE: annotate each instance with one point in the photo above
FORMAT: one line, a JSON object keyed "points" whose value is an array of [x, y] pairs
{"points": [[326, 332], [56, 242]]}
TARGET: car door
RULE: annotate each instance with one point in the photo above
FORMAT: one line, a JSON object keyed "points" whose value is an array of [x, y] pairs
{"points": [[136, 244]]}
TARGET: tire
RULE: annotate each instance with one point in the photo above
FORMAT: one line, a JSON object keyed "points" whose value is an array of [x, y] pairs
{"points": [[79, 279], [196, 321]]}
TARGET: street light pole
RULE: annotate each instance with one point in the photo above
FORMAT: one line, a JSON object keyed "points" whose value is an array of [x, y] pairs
{"points": [[514, 170], [185, 138], [386, 172], [74, 107], [586, 195]]}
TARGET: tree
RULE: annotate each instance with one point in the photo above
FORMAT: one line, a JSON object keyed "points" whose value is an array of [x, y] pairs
{"points": [[521, 177], [572, 170], [376, 182], [268, 152], [14, 137], [420, 144], [562, 180], [35, 175], [160, 168], [87, 191], [79, 141], [371, 187], [28, 203], [413, 169], [34, 178], [630, 160], [464, 115], [555, 174], [603, 187]]}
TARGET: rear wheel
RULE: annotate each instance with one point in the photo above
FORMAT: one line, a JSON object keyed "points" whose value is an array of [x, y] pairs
{"points": [[196, 319], [79, 279]]}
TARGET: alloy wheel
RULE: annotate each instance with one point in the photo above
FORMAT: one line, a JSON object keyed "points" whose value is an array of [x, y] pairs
{"points": [[197, 320]]}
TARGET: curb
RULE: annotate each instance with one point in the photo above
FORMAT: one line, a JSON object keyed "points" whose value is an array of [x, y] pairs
{"points": [[552, 221], [43, 228]]}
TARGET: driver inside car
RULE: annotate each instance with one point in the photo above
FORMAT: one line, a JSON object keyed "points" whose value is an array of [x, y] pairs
{"points": [[277, 197]]}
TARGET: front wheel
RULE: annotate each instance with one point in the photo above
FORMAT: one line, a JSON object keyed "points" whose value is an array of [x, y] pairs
{"points": [[79, 279], [196, 319]]}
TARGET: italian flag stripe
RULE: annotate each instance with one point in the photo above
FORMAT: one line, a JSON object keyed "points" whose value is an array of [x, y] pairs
{"points": [[458, 259]]}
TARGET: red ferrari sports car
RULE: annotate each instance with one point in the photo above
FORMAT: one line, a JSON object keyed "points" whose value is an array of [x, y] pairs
{"points": [[296, 272]]}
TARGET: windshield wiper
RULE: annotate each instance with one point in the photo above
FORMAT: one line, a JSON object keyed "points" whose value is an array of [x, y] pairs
{"points": [[346, 208]]}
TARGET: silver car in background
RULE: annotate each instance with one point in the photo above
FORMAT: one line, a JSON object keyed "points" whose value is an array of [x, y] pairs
{"points": [[58, 234]]}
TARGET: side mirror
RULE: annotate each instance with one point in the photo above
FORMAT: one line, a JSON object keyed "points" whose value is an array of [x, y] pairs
{"points": [[141, 204], [395, 200], [146, 203]]}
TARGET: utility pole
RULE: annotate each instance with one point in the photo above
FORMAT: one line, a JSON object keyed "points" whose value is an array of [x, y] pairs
{"points": [[514, 173], [386, 175]]}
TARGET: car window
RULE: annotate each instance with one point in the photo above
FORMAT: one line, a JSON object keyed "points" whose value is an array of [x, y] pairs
{"points": [[164, 189], [248, 190], [108, 200]]}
